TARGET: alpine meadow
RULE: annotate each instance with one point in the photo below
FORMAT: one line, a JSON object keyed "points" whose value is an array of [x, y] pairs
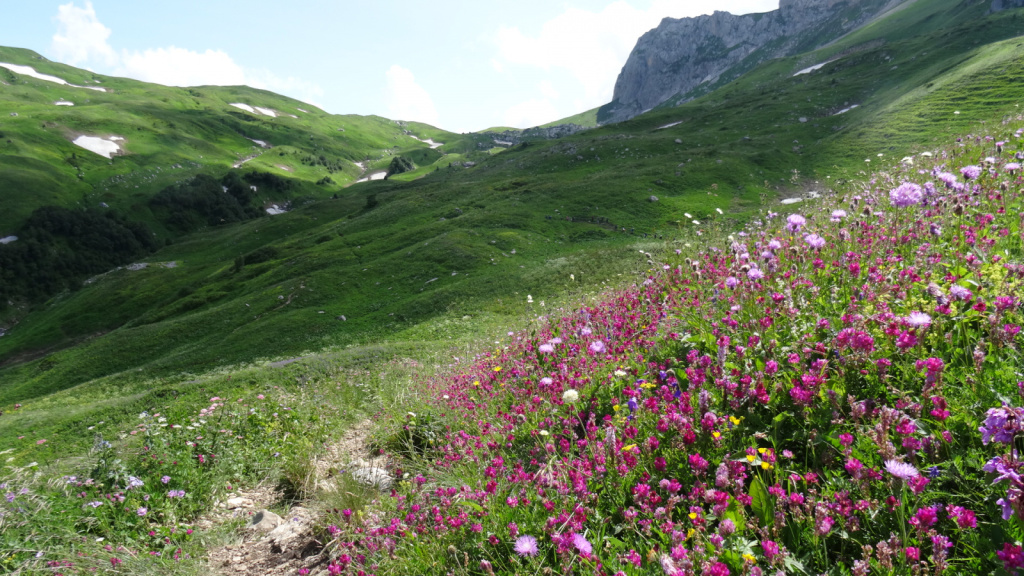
{"points": [[759, 315]]}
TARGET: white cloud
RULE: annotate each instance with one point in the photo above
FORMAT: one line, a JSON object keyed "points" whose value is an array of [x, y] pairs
{"points": [[174, 66], [406, 99], [533, 112], [80, 36], [593, 46], [547, 89]]}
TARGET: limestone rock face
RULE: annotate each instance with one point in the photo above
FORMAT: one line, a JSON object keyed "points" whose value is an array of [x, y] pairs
{"points": [[681, 55]]}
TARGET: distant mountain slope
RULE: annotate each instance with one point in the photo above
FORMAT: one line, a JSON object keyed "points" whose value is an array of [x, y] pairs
{"points": [[156, 136]]}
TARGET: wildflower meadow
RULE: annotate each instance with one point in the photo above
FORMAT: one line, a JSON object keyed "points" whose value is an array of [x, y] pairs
{"points": [[836, 390], [832, 391]]}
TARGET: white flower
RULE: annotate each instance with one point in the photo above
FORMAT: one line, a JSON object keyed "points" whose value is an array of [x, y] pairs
{"points": [[570, 396]]}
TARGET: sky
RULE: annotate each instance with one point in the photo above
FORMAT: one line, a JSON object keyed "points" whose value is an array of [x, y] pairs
{"points": [[461, 65]]}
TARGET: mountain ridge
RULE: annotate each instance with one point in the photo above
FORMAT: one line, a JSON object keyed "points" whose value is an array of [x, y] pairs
{"points": [[681, 54]]}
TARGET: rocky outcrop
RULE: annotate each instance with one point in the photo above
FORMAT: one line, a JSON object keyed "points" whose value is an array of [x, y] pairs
{"points": [[681, 55], [513, 137], [1000, 5]]}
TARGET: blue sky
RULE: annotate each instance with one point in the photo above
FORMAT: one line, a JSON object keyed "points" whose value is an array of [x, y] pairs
{"points": [[457, 64]]}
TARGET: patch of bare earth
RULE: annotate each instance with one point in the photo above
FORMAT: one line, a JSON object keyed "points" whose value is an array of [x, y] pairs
{"points": [[275, 545]]}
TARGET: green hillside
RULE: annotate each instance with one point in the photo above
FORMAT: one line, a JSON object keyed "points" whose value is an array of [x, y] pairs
{"points": [[172, 283], [391, 254]]}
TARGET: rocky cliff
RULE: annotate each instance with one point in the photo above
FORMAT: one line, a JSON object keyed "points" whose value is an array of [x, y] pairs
{"points": [[681, 55]]}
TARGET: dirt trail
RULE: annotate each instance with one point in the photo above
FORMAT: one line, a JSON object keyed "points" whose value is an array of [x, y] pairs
{"points": [[275, 545]]}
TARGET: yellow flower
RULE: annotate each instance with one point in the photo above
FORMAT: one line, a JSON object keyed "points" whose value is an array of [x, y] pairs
{"points": [[735, 421], [750, 558], [628, 448], [716, 434], [616, 407], [762, 450], [497, 368], [477, 383], [750, 457], [647, 385], [766, 466], [693, 515]]}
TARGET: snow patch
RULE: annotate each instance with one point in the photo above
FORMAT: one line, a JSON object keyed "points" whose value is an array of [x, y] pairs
{"points": [[245, 107], [105, 147], [428, 141], [275, 210], [810, 69], [63, 103], [669, 125], [260, 142], [267, 112], [792, 200], [30, 71], [361, 165], [8, 239], [376, 176], [845, 110], [502, 143], [301, 110]]}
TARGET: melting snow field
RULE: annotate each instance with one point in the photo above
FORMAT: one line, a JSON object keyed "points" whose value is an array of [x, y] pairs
{"points": [[428, 141], [813, 68], [361, 165], [377, 176], [8, 239], [301, 110], [845, 110], [669, 125], [30, 71], [260, 142], [274, 210], [105, 147], [64, 103], [257, 109]]}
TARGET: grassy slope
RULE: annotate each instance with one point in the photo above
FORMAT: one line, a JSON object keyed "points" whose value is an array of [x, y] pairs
{"points": [[170, 133], [377, 266]]}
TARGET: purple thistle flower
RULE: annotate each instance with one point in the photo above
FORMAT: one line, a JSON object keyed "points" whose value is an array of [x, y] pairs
{"points": [[838, 215], [919, 320], [1012, 167], [971, 172], [526, 546], [597, 347], [795, 222], [582, 544], [901, 470], [755, 274], [814, 241], [731, 282], [546, 349], [959, 292], [907, 194]]}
